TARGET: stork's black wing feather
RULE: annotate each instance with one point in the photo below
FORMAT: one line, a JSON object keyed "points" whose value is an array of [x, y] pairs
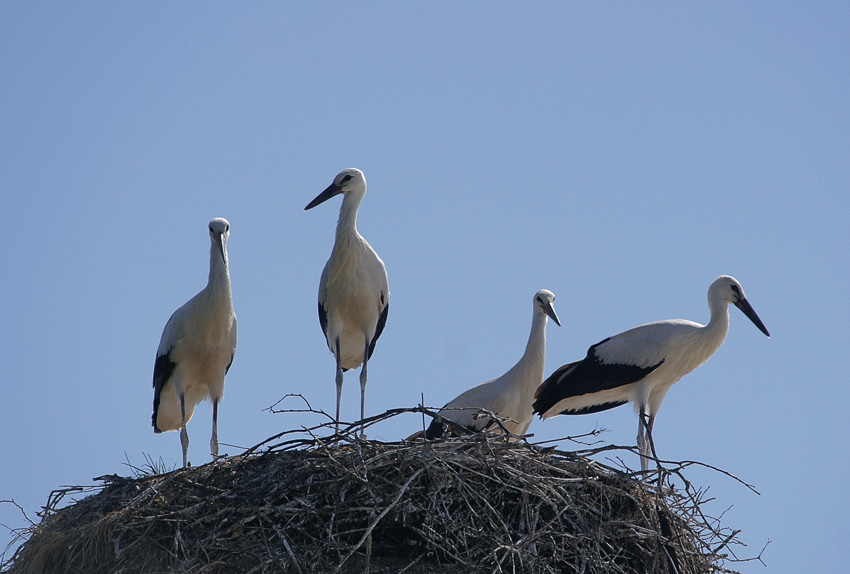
{"points": [[323, 319], [594, 408], [379, 328], [440, 427], [588, 376], [435, 430], [163, 368]]}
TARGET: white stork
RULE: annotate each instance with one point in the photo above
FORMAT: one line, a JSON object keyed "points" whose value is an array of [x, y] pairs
{"points": [[196, 349], [509, 397], [354, 292], [641, 364]]}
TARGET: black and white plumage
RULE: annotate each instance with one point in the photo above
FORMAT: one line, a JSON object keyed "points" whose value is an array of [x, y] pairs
{"points": [[641, 364], [509, 396], [196, 349], [354, 293]]}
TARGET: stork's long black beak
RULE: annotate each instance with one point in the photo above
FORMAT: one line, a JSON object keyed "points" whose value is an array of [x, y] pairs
{"points": [[329, 192], [748, 310], [550, 310]]}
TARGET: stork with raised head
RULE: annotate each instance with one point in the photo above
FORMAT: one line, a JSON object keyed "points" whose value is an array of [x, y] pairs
{"points": [[641, 364], [508, 397], [354, 292], [196, 349]]}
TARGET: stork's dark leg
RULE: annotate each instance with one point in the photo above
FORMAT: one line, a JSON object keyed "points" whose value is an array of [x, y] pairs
{"points": [[214, 439], [338, 383], [184, 436]]}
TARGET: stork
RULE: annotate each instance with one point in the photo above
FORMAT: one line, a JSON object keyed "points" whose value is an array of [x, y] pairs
{"points": [[508, 397], [196, 349], [354, 292], [641, 364]]}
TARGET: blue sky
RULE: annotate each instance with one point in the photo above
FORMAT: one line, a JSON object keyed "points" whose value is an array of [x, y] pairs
{"points": [[622, 155]]}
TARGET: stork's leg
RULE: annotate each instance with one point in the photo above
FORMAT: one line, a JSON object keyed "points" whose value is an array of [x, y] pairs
{"points": [[363, 388], [641, 439], [649, 426], [338, 384], [184, 436], [214, 439]]}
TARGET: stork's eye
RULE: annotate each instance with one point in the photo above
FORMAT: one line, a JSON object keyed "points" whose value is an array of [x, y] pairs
{"points": [[735, 289], [346, 178], [540, 300]]}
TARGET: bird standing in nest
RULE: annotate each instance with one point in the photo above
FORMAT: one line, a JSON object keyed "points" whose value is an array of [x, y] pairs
{"points": [[354, 292], [196, 349], [641, 364]]}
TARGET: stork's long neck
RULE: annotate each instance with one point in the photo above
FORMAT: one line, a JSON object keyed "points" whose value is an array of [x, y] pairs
{"points": [[714, 333], [346, 226], [218, 284], [530, 366]]}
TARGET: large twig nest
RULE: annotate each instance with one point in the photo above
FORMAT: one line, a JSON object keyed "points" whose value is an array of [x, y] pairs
{"points": [[471, 504]]}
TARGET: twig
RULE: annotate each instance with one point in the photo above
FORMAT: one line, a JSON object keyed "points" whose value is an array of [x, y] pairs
{"points": [[378, 519]]}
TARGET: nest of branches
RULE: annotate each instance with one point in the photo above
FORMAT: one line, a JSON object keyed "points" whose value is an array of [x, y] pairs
{"points": [[468, 504]]}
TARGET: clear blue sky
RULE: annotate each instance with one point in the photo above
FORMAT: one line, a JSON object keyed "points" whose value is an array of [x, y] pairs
{"points": [[622, 155]]}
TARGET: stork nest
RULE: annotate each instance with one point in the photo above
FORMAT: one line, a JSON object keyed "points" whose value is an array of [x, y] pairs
{"points": [[466, 504]]}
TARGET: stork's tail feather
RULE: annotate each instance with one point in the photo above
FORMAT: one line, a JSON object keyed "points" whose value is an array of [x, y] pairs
{"points": [[441, 427], [435, 430], [546, 394], [156, 429]]}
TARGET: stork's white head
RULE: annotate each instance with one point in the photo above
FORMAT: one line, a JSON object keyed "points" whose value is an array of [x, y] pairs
{"points": [[729, 290], [726, 288], [543, 303], [219, 232], [349, 181]]}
